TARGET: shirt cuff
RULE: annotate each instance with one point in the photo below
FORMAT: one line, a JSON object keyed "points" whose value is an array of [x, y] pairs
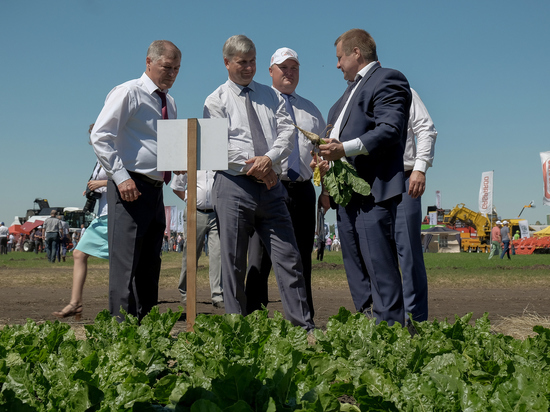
{"points": [[354, 147], [120, 176], [421, 166]]}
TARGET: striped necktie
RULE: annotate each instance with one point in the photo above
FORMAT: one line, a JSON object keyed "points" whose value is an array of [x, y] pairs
{"points": [[258, 137]]}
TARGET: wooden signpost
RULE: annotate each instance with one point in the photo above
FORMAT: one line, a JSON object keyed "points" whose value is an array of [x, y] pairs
{"points": [[191, 145]]}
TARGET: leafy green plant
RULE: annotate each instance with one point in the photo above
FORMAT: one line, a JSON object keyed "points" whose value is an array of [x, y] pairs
{"points": [[341, 180], [262, 363]]}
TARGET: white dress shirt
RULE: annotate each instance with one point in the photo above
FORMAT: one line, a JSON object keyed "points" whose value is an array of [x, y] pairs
{"points": [[100, 174], [4, 231], [309, 118], [419, 155], [228, 101], [351, 147], [124, 137], [205, 180]]}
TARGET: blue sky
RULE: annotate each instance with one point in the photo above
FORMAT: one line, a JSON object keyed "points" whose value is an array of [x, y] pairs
{"points": [[481, 68]]}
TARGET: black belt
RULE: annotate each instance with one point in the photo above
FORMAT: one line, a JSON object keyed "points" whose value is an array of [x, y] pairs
{"points": [[205, 210], [146, 179], [293, 185], [255, 180]]}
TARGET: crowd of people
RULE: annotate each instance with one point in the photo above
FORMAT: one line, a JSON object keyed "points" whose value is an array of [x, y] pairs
{"points": [[260, 214]]}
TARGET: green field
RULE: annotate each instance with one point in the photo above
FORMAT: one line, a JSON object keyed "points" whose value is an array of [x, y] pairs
{"points": [[444, 269]]}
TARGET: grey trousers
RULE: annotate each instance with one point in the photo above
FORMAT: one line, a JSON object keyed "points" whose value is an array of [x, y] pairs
{"points": [[244, 206], [206, 224]]}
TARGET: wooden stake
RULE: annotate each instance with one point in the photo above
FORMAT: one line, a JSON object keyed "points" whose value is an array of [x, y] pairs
{"points": [[192, 126]]}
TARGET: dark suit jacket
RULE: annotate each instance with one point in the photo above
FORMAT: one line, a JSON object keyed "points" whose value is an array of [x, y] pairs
{"points": [[378, 114]]}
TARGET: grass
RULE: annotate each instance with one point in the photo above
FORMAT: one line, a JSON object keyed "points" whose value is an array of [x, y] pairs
{"points": [[445, 270]]}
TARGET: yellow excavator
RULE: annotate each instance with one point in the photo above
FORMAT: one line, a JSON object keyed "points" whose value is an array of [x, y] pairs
{"points": [[482, 224]]}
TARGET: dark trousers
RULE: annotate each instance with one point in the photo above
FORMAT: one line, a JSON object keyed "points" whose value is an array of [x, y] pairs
{"points": [[135, 236], [301, 205], [52, 241], [367, 230], [320, 250], [506, 249], [411, 257]]}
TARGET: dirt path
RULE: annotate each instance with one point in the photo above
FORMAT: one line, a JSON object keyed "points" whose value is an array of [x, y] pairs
{"points": [[37, 303]]}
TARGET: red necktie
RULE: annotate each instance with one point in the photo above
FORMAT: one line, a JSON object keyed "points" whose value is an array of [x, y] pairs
{"points": [[167, 175]]}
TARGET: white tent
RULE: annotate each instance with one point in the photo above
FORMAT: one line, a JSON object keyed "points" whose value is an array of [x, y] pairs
{"points": [[440, 239]]}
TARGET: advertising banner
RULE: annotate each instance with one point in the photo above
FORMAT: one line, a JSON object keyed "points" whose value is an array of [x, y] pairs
{"points": [[174, 219], [167, 213], [180, 221], [486, 193], [545, 160], [523, 229]]}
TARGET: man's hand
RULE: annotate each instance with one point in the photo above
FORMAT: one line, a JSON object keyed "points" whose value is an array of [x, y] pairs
{"points": [[324, 165], [270, 179], [417, 184], [261, 166], [333, 149], [128, 191], [324, 201]]}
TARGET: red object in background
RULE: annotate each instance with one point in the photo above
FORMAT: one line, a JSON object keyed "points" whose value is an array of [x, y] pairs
{"points": [[14, 229], [28, 226]]}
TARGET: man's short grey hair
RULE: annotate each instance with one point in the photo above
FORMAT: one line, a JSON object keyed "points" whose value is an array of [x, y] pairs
{"points": [[160, 48], [238, 44]]}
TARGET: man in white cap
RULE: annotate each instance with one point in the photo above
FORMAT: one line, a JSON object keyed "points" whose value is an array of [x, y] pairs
{"points": [[495, 239], [296, 178], [505, 237]]}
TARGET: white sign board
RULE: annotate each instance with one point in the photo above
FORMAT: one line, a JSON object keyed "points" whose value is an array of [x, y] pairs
{"points": [[523, 229], [211, 144]]}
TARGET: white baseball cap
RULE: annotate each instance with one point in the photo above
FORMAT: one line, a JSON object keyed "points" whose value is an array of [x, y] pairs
{"points": [[505, 222], [283, 54], [499, 222]]}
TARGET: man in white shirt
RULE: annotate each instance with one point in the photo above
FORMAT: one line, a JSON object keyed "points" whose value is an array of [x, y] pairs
{"points": [[207, 224], [418, 157], [296, 178], [4, 231], [124, 139], [248, 196]]}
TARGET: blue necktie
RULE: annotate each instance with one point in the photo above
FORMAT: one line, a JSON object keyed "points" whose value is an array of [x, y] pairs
{"points": [[258, 137], [294, 158]]}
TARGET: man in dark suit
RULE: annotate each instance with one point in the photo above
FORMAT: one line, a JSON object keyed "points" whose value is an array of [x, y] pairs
{"points": [[370, 130]]}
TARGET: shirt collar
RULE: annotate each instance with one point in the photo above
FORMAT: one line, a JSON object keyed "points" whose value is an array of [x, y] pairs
{"points": [[150, 85], [363, 72], [237, 88], [293, 94]]}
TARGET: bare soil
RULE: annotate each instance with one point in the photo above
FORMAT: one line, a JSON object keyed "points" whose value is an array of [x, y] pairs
{"points": [[20, 302]]}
